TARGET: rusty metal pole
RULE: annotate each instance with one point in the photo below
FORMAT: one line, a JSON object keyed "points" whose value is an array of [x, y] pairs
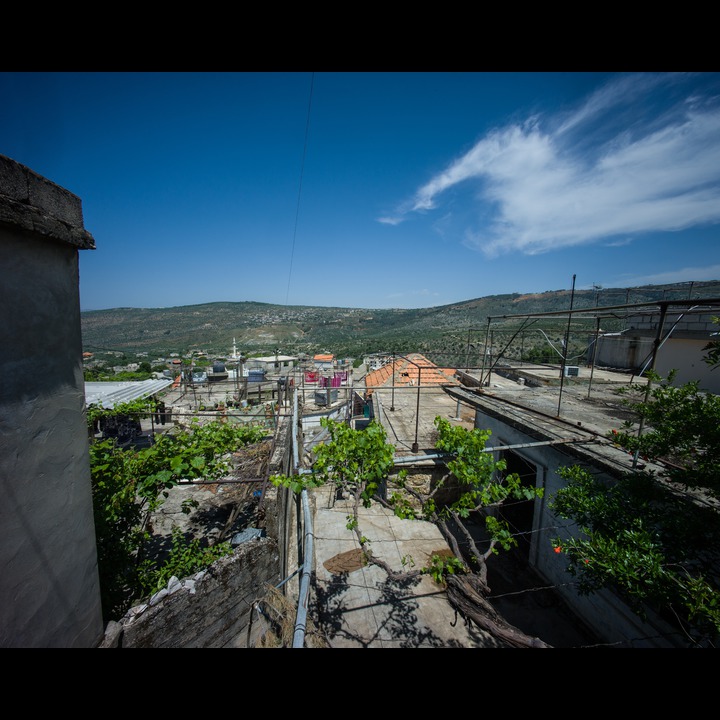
{"points": [[594, 355], [485, 352], [656, 347], [417, 414], [565, 349], [392, 401]]}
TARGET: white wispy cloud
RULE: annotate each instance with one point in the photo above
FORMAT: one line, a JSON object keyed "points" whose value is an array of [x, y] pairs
{"points": [[604, 172], [390, 220]]}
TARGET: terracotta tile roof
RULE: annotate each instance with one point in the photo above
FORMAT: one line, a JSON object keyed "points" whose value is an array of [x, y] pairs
{"points": [[406, 373], [324, 358]]}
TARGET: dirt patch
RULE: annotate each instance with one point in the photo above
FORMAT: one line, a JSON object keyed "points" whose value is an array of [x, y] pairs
{"points": [[345, 562], [442, 553]]}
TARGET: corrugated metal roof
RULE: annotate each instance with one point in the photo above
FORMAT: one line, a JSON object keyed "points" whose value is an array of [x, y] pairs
{"points": [[109, 394]]}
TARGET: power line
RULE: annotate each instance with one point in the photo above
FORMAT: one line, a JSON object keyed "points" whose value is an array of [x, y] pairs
{"points": [[302, 170]]}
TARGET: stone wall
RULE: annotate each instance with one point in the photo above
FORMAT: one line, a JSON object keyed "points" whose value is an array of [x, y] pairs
{"points": [[215, 608]]}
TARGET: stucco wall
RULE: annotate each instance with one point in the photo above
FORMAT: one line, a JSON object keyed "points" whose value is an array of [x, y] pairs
{"points": [[49, 588], [686, 356], [682, 351]]}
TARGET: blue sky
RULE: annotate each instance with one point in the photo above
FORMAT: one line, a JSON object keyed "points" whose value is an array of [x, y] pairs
{"points": [[375, 190]]}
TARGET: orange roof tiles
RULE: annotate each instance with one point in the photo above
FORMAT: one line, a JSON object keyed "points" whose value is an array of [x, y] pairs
{"points": [[324, 358], [407, 370]]}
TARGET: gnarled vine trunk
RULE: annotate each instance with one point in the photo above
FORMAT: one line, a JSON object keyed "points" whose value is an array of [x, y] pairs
{"points": [[466, 594]]}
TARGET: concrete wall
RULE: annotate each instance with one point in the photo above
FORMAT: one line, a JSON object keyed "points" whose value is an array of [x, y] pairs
{"points": [[682, 324], [681, 351], [49, 587], [621, 351], [609, 618], [682, 354], [686, 356]]}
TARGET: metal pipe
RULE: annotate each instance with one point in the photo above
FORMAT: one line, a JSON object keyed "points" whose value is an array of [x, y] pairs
{"points": [[417, 412], [392, 400], [485, 350], [308, 546], [594, 355], [467, 354], [301, 617], [296, 453], [562, 313], [406, 459]]}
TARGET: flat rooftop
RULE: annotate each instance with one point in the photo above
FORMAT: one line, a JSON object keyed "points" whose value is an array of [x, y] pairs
{"points": [[590, 399], [578, 412]]}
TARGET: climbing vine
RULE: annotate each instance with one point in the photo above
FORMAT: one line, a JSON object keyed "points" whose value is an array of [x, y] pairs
{"points": [[129, 484], [361, 462]]}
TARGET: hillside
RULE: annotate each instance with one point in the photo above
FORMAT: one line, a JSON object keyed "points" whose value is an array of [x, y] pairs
{"points": [[442, 332]]}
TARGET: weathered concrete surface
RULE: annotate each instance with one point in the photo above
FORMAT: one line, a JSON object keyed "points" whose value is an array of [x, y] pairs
{"points": [[49, 591]]}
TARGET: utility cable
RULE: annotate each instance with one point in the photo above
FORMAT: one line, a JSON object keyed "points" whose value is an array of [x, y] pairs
{"points": [[302, 170]]}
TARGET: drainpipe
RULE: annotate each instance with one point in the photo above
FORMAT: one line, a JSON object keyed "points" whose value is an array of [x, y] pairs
{"points": [[301, 618]]}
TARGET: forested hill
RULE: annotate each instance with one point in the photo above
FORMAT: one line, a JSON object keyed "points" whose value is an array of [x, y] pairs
{"points": [[345, 332]]}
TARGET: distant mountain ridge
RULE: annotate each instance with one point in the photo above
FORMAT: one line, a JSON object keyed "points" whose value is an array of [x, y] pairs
{"points": [[346, 332]]}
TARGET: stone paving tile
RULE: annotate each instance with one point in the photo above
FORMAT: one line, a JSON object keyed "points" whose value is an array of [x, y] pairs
{"points": [[364, 607]]}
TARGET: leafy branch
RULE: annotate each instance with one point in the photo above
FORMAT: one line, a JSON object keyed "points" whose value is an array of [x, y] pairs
{"points": [[128, 485]]}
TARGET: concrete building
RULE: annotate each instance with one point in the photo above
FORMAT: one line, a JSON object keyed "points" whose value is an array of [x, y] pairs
{"points": [[376, 360], [272, 363], [538, 428], [324, 361], [682, 333], [49, 587]]}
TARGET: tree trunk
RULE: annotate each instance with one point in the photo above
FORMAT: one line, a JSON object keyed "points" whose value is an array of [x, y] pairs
{"points": [[465, 593]]}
